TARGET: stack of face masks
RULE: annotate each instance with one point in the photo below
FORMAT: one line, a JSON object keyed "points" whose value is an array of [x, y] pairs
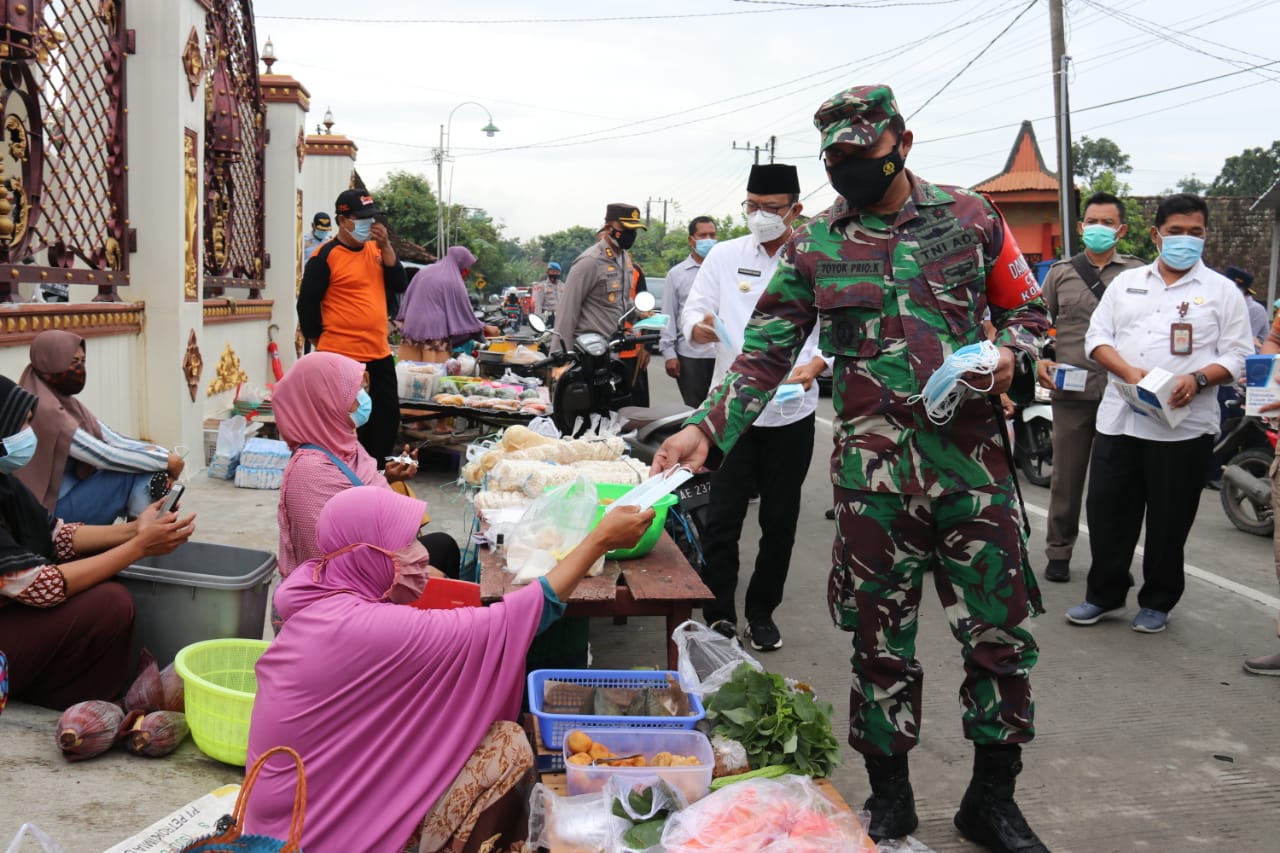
{"points": [[262, 464], [946, 387]]}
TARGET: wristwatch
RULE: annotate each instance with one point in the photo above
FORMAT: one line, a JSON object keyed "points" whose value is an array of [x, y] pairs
{"points": [[1202, 381]]}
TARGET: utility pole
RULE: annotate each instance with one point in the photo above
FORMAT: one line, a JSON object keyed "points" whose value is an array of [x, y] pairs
{"points": [[665, 201], [1062, 112], [772, 148]]}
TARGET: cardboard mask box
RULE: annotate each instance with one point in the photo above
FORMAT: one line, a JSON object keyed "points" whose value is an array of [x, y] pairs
{"points": [[1262, 383], [1150, 397], [1068, 377]]}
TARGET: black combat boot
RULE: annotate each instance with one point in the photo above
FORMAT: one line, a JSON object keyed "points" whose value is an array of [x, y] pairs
{"points": [[892, 804], [988, 814]]}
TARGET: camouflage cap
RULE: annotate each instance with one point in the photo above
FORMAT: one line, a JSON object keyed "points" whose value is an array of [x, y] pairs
{"points": [[858, 115]]}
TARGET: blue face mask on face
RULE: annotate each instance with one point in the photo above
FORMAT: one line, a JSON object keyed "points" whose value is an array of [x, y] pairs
{"points": [[704, 246], [361, 229], [364, 408], [1181, 251], [19, 448]]}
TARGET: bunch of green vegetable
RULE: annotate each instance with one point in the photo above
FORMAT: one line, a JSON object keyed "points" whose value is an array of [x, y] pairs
{"points": [[647, 821], [775, 723]]}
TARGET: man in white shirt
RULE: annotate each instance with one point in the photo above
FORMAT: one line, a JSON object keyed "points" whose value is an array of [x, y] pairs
{"points": [[772, 457], [1179, 315], [689, 364]]}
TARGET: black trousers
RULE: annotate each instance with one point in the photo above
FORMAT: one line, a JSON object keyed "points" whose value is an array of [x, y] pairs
{"points": [[774, 462], [1130, 478], [694, 380], [378, 435]]}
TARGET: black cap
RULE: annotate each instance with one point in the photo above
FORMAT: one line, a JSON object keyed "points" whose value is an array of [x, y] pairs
{"points": [[772, 178], [15, 403], [321, 221], [626, 214], [357, 204], [1242, 278]]}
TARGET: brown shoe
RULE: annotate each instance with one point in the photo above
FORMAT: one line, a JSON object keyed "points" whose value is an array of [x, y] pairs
{"points": [[1265, 665]]}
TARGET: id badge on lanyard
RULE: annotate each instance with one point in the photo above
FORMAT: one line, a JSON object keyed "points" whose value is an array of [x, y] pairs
{"points": [[1181, 338]]}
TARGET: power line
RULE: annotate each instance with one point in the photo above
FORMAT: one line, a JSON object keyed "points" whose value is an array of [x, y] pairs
{"points": [[788, 7], [977, 56]]}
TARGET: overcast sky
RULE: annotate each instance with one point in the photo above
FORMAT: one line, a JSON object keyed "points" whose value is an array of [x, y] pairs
{"points": [[594, 107]]}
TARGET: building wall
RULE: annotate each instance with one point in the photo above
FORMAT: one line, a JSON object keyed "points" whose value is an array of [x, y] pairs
{"points": [[1237, 235], [1035, 227]]}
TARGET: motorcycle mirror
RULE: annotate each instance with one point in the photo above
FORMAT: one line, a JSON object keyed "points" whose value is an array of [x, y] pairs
{"points": [[537, 323], [645, 301]]}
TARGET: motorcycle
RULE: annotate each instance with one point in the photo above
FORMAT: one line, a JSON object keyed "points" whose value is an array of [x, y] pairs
{"points": [[1033, 438], [644, 430], [595, 379], [1248, 443]]}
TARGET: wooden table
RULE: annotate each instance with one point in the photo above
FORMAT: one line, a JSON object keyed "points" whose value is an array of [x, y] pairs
{"points": [[661, 583], [498, 418]]}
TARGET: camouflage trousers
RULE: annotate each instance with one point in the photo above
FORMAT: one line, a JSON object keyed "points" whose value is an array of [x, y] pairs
{"points": [[974, 545]]}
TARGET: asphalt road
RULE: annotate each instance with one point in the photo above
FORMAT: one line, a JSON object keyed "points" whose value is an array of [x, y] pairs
{"points": [[1144, 742]]}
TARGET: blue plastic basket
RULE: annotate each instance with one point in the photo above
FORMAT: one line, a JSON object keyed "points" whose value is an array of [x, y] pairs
{"points": [[552, 728]]}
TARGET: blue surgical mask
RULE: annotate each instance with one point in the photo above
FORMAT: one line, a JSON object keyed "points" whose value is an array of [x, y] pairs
{"points": [[361, 228], [19, 448], [320, 235], [1099, 238], [364, 408], [1180, 251], [703, 246]]}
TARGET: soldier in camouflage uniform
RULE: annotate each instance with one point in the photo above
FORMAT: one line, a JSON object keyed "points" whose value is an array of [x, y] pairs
{"points": [[897, 274]]}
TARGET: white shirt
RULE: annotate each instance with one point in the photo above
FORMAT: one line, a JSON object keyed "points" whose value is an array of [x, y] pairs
{"points": [[674, 294], [1135, 316], [733, 275]]}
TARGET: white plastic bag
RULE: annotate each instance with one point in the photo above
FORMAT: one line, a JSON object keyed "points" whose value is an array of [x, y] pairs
{"points": [[550, 528], [231, 437], [581, 824], [658, 799], [707, 658]]}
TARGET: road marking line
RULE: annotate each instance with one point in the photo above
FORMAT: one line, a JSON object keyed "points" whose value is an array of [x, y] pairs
{"points": [[1194, 571]]}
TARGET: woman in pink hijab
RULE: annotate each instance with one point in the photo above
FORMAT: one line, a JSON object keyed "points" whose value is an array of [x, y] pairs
{"points": [[315, 404], [404, 718]]}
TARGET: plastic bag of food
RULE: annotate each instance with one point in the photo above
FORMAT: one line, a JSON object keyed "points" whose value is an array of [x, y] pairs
{"points": [[646, 804], [707, 658], [581, 824], [552, 527], [784, 815]]}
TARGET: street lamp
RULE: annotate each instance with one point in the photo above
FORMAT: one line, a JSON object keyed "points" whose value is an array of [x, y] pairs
{"points": [[441, 155]]}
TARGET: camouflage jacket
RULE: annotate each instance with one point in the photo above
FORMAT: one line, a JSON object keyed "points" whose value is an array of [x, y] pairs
{"points": [[892, 300]]}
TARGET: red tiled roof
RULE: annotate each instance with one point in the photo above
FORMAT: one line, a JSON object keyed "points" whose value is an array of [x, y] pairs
{"points": [[1024, 170]]}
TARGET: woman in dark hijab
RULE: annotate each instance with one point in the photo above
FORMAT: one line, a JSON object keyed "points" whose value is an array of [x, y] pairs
{"points": [[82, 470], [66, 630]]}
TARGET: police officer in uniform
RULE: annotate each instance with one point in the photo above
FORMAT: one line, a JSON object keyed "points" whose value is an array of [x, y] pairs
{"points": [[598, 289]]}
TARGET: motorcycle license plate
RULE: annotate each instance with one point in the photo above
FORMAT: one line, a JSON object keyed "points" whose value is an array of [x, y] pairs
{"points": [[696, 492]]}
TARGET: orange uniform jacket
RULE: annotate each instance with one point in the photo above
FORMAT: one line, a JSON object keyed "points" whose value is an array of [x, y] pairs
{"points": [[342, 304]]}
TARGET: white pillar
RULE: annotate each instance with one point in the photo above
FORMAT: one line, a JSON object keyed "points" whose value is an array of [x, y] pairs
{"points": [[283, 202], [161, 108]]}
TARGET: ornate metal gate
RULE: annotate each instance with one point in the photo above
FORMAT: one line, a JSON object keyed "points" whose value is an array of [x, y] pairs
{"points": [[234, 151], [63, 209]]}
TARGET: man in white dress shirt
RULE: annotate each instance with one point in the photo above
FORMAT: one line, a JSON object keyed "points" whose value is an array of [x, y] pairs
{"points": [[772, 458], [689, 364], [1179, 315]]}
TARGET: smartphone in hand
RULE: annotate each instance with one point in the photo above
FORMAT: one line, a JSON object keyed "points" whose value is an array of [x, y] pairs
{"points": [[170, 502]]}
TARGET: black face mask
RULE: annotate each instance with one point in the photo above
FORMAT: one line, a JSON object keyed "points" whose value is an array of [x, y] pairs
{"points": [[864, 182], [626, 238], [69, 381]]}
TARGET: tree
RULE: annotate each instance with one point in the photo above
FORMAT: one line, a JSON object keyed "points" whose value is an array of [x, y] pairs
{"points": [[1190, 184], [1137, 241], [1091, 158], [410, 206], [1249, 173]]}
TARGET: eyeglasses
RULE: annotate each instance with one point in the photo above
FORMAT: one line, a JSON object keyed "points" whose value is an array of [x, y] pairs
{"points": [[750, 207]]}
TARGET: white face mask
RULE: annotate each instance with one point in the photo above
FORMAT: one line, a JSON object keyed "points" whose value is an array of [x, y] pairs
{"points": [[766, 226]]}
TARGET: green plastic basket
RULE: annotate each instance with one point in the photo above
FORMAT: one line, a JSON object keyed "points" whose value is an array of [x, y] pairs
{"points": [[610, 492], [220, 685]]}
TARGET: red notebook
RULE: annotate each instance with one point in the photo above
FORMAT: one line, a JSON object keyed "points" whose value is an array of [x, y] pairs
{"points": [[447, 594]]}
